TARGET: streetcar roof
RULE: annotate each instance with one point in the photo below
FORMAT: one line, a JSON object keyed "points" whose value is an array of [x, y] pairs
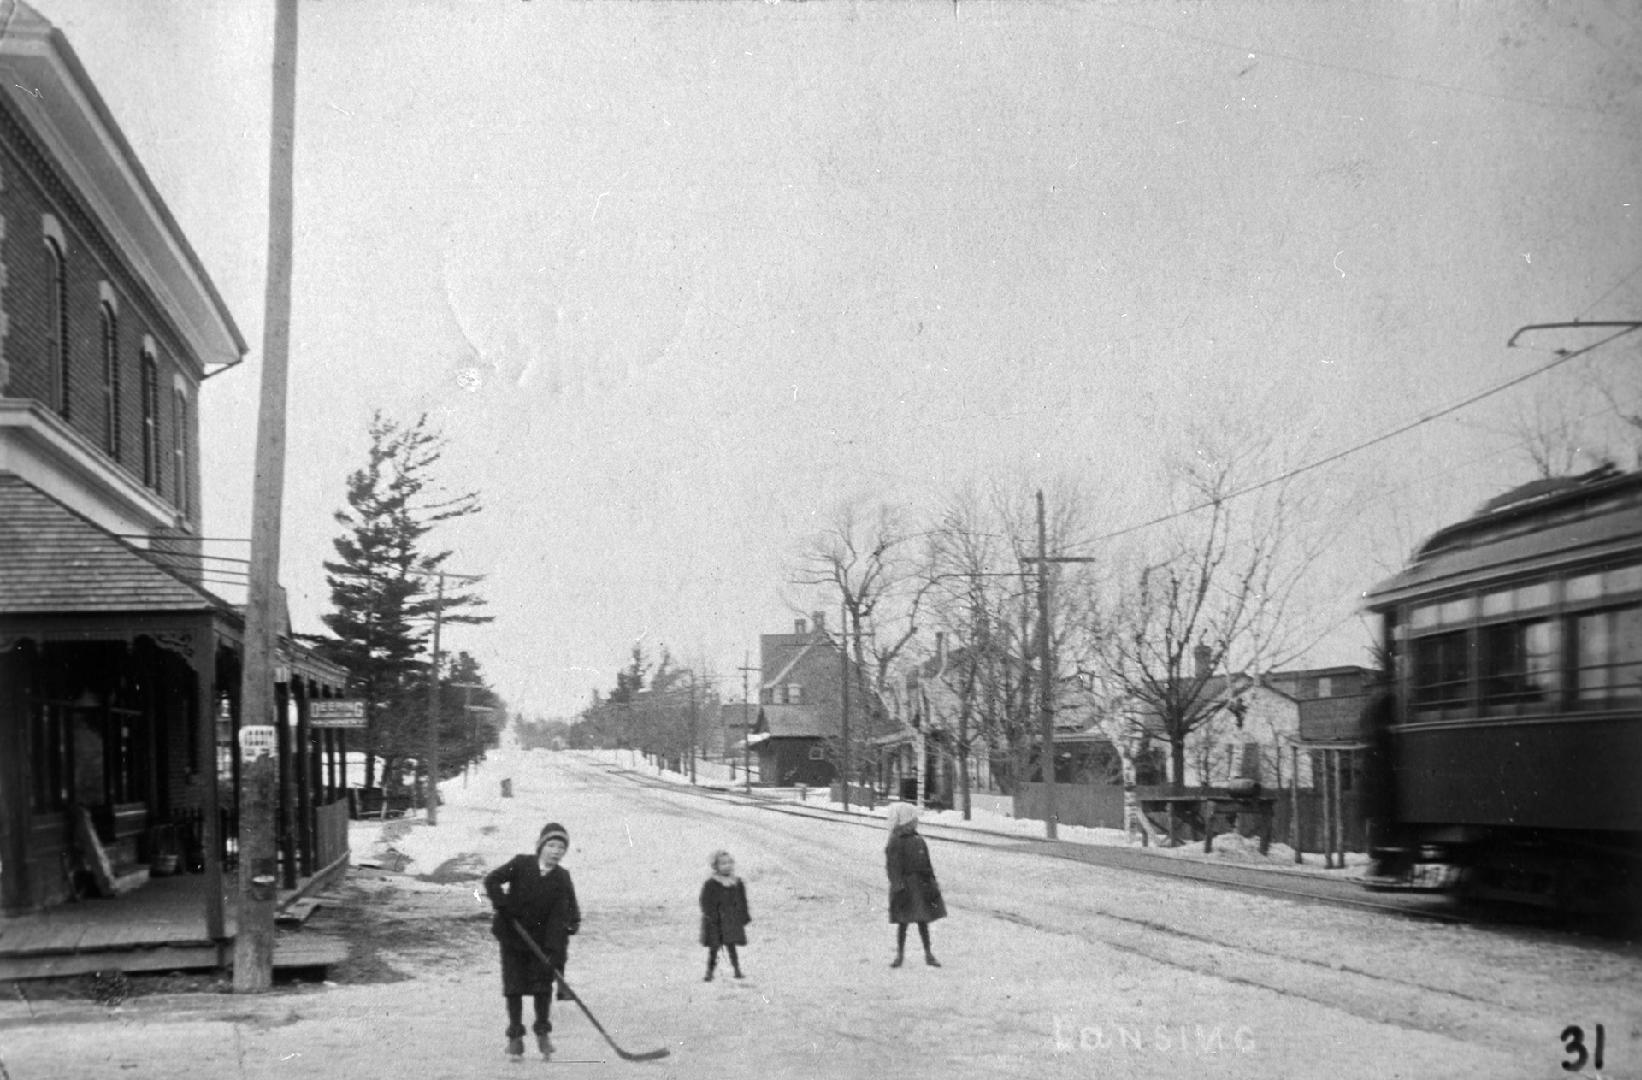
{"points": [[1533, 529]]}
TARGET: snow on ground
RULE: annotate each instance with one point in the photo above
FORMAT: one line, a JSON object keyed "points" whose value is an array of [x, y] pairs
{"points": [[1052, 969], [990, 813]]}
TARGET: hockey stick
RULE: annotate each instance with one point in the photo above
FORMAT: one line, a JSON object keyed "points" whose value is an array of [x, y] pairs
{"points": [[625, 1055]]}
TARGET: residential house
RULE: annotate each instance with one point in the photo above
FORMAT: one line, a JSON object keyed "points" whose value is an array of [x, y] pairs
{"points": [[116, 659], [806, 682]]}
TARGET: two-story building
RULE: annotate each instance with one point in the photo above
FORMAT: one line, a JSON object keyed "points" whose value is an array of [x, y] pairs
{"points": [[806, 682], [116, 659]]}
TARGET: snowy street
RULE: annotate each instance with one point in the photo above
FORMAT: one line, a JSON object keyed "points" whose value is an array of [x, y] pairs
{"points": [[1051, 968]]}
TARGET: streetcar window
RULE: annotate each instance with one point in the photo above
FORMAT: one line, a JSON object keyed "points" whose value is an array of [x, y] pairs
{"points": [[1440, 671], [1521, 598], [1518, 663], [1455, 612], [1584, 587], [1626, 579], [1616, 582], [1608, 654]]}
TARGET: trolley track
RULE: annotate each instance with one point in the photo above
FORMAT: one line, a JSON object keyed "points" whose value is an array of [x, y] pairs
{"points": [[1264, 959], [1240, 879]]}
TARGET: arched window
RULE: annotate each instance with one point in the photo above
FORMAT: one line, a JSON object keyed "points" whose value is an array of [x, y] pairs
{"points": [[58, 321], [151, 416], [179, 448], [111, 379]]}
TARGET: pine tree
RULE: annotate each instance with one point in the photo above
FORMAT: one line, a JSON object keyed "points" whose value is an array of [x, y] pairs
{"points": [[382, 583]]}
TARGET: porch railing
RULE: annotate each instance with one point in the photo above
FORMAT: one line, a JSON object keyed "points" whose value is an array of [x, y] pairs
{"points": [[331, 832]]}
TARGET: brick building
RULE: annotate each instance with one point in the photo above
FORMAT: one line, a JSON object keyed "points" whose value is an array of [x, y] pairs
{"points": [[116, 660]]}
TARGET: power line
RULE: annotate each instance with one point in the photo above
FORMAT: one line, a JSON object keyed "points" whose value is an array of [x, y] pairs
{"points": [[1306, 61], [1561, 359]]}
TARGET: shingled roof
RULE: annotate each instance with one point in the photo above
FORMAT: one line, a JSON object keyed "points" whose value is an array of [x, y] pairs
{"points": [[53, 560], [792, 722]]}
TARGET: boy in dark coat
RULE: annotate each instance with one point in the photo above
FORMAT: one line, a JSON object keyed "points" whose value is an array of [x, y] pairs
{"points": [[535, 891], [724, 915], [914, 894]]}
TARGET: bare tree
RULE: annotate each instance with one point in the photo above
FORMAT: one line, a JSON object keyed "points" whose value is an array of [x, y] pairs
{"points": [[981, 593], [971, 598], [866, 558], [1214, 592]]}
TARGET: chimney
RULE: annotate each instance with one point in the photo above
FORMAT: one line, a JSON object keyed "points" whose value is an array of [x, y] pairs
{"points": [[798, 627], [818, 619], [1202, 654]]}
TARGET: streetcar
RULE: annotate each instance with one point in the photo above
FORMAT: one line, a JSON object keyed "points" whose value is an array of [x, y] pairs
{"points": [[1504, 762]]}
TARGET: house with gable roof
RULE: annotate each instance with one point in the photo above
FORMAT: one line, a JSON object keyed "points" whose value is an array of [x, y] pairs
{"points": [[798, 735]]}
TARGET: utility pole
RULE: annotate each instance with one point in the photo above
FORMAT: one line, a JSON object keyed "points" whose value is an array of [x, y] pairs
{"points": [[1046, 677], [433, 704], [692, 727], [433, 693], [746, 724], [258, 861], [844, 678]]}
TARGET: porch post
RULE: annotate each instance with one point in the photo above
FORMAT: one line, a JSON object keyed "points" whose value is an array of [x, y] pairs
{"points": [[286, 843], [14, 778], [205, 692], [303, 761]]}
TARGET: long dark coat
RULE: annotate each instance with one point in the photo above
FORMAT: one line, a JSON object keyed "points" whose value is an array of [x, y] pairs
{"points": [[546, 905], [914, 894], [724, 915]]}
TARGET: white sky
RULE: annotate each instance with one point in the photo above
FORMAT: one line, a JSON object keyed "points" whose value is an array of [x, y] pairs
{"points": [[720, 265]]}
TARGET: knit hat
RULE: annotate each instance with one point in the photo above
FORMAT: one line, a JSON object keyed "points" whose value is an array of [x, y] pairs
{"points": [[901, 815], [552, 831]]}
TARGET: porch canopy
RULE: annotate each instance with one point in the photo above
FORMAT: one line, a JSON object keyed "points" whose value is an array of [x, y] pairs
{"points": [[114, 666]]}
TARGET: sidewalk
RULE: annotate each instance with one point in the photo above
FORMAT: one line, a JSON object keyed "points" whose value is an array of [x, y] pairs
{"points": [[1230, 849]]}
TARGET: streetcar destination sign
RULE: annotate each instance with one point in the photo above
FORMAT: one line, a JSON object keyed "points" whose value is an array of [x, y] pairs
{"points": [[337, 713]]}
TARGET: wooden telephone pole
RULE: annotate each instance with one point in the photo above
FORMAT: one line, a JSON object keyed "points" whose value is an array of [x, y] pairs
{"points": [[258, 859], [433, 693], [1046, 675], [747, 724]]}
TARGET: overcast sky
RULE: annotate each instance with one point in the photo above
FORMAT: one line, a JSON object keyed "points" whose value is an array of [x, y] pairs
{"points": [[675, 278]]}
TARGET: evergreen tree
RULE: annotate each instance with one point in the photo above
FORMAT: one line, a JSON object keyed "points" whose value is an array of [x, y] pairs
{"points": [[382, 583]]}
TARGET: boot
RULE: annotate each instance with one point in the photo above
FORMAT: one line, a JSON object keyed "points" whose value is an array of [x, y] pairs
{"points": [[895, 963], [544, 1043], [929, 958], [515, 1047]]}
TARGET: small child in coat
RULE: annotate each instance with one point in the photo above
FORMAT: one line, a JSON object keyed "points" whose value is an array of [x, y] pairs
{"points": [[724, 915], [536, 893], [914, 894]]}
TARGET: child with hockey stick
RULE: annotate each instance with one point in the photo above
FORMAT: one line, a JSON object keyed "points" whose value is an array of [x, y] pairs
{"points": [[724, 915], [914, 894], [535, 892]]}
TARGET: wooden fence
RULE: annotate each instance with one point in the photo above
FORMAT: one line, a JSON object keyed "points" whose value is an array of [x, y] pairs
{"points": [[1100, 806], [1097, 806]]}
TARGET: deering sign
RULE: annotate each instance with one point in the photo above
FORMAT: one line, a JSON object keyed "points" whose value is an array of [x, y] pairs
{"points": [[337, 713]]}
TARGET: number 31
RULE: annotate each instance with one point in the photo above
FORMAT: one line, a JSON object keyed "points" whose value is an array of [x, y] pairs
{"points": [[1573, 1041]]}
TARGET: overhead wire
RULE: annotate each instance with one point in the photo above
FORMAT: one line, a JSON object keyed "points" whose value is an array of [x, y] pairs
{"points": [[1562, 358]]}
